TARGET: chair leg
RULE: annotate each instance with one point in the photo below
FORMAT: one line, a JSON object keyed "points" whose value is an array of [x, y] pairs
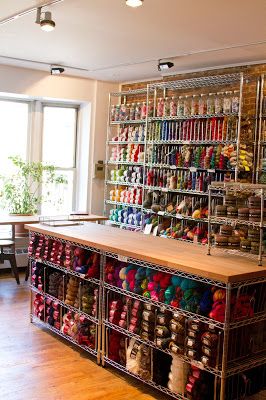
{"points": [[27, 271], [14, 267]]}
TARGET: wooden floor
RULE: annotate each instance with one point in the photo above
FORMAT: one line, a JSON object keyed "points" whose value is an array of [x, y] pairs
{"points": [[36, 364]]}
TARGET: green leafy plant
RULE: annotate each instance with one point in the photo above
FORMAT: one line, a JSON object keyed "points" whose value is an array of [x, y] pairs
{"points": [[22, 192]]}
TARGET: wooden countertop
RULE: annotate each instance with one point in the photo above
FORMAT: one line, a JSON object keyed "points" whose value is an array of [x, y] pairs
{"points": [[169, 253], [33, 219]]}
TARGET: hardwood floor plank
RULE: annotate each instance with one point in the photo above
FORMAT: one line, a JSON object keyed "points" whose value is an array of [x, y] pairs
{"points": [[35, 364]]}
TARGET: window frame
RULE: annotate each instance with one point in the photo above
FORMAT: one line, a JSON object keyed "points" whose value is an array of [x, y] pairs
{"points": [[76, 107], [34, 145]]}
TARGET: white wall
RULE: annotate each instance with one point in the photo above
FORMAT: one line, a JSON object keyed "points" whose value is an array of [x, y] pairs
{"points": [[94, 96]]}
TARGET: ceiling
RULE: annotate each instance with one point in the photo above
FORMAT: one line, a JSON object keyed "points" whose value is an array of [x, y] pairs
{"points": [[106, 40]]}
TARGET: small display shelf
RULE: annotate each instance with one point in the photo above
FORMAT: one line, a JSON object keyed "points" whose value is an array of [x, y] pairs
{"points": [[240, 218]]}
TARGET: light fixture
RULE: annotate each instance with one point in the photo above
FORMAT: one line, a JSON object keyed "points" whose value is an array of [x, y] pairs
{"points": [[164, 65], [56, 70], [45, 20], [134, 3]]}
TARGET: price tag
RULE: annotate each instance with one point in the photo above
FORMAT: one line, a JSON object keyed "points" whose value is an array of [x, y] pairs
{"points": [[39, 260], [161, 213], [147, 229], [193, 169], [122, 258], [172, 166], [155, 231], [211, 171], [186, 142], [211, 326], [197, 364], [165, 189], [179, 216], [82, 275]]}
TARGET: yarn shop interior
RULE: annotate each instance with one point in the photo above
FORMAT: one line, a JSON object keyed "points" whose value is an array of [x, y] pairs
{"points": [[133, 200]]}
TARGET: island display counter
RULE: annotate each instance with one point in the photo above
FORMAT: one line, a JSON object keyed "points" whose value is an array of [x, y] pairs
{"points": [[185, 323]]}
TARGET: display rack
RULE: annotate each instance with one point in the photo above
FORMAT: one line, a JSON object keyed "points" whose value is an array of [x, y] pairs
{"points": [[183, 122], [238, 346], [40, 254], [261, 142], [241, 232]]}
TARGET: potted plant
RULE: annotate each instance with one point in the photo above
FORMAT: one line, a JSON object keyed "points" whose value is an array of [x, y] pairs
{"points": [[21, 191]]}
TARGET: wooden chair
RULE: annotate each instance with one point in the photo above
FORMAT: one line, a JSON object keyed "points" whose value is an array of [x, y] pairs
{"points": [[10, 256]]}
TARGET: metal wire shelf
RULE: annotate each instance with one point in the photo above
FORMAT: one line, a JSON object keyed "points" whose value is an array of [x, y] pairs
{"points": [[245, 364], [234, 221], [168, 270], [63, 304], [191, 142], [114, 142], [235, 252], [236, 186], [93, 249], [59, 333], [167, 351], [189, 117], [187, 314], [66, 270], [119, 203], [129, 122], [123, 183], [176, 216], [123, 224], [147, 382], [195, 192], [124, 163], [129, 92], [191, 168], [205, 81]]}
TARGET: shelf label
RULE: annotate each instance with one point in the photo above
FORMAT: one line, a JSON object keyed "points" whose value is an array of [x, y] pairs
{"points": [[197, 364], [172, 166], [122, 258], [211, 170], [179, 216], [147, 229], [82, 275], [161, 213], [155, 231], [165, 189], [186, 142], [193, 169]]}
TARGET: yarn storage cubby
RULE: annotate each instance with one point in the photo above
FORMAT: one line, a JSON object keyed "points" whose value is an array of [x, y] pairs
{"points": [[65, 290], [166, 143], [261, 139], [191, 336], [236, 221]]}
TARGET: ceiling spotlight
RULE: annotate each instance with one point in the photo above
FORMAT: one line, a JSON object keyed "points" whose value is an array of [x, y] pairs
{"points": [[164, 65], [134, 3], [44, 19], [56, 70]]}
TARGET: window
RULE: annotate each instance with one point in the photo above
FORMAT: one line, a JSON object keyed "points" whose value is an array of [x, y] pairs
{"points": [[51, 137], [59, 148], [14, 117], [14, 123]]}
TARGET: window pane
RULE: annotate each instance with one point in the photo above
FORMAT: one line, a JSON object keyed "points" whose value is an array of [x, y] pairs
{"points": [[59, 136], [60, 197], [13, 132]]}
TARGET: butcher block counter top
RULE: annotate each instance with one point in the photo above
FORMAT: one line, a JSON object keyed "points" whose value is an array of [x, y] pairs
{"points": [[169, 253]]}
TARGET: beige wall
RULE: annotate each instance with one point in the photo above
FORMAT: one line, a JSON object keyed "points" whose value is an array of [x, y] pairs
{"points": [[94, 96]]}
